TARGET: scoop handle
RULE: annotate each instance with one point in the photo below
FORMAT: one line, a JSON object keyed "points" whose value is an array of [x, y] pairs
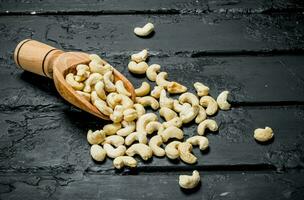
{"points": [[36, 57]]}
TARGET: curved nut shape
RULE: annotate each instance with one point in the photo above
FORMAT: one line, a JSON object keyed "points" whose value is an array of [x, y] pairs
{"points": [[83, 72], [154, 126], [172, 150], [129, 127], [189, 98], [114, 140], [122, 161], [74, 84], [188, 113], [201, 116], [130, 115], [99, 88], [91, 80], [117, 114], [96, 137], [148, 101], [108, 82], [167, 113], [152, 71], [222, 101], [97, 152], [210, 104], [177, 107], [123, 100], [156, 91], [189, 182], [201, 89], [176, 88], [121, 88], [138, 68], [145, 30], [185, 154], [141, 137], [87, 96], [111, 129], [139, 109], [99, 67], [263, 135], [95, 57], [202, 141], [100, 104], [140, 56], [144, 120], [172, 132], [164, 101], [113, 99], [143, 90], [155, 143], [143, 150], [114, 152], [208, 123], [161, 79], [176, 121]]}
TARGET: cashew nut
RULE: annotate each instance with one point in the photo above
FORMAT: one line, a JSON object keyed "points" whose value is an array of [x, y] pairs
{"points": [[130, 114], [96, 137], [185, 149], [87, 96], [96, 58], [143, 90], [111, 129], [222, 101], [167, 113], [97, 152], [202, 141], [139, 109], [164, 101], [125, 101], [121, 88], [141, 137], [108, 81], [177, 107], [117, 114], [83, 72], [263, 135], [99, 88], [189, 182], [176, 121], [155, 143], [91, 80], [144, 120], [122, 161], [161, 79], [140, 56], [201, 89], [188, 98], [201, 116], [210, 104], [74, 84], [138, 68], [172, 150], [114, 140], [156, 91], [208, 123], [143, 150], [172, 132], [145, 30], [100, 104], [129, 127], [188, 113], [148, 101], [154, 126], [152, 71], [114, 152], [176, 88]]}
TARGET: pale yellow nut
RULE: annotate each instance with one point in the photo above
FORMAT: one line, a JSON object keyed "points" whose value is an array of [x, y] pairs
{"points": [[111, 129], [141, 137], [74, 84], [263, 135], [208, 123], [122, 161], [155, 143], [114, 140], [96, 137], [108, 79], [222, 100], [176, 88], [167, 113], [201, 89], [83, 72], [148, 101], [189, 182], [100, 104], [144, 120], [188, 98], [99, 88], [152, 71], [143, 150], [154, 126], [124, 100], [185, 153], [91, 80], [177, 107], [172, 150], [129, 127], [140, 56], [129, 115], [117, 115], [97, 152], [172, 132], [138, 68], [161, 79], [201, 116], [156, 91], [96, 58], [188, 113], [210, 104], [96, 67], [145, 30], [143, 90], [113, 99], [202, 141], [121, 88], [85, 95], [114, 152], [176, 121], [139, 109], [164, 101]]}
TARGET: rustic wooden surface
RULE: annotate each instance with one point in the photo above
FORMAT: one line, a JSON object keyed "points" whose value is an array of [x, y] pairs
{"points": [[252, 48]]}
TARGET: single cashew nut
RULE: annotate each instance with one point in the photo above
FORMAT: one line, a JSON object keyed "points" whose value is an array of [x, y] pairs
{"points": [[117, 114], [188, 113], [156, 91], [124, 100], [113, 99], [172, 132], [144, 120], [172, 150], [97, 152], [210, 104], [139, 109], [141, 137], [99, 88], [222, 101], [148, 101], [91, 80], [100, 104], [121, 88], [108, 81], [177, 107], [189, 182], [208, 123], [140, 56], [114, 140], [152, 71], [188, 98], [154, 126], [202, 141], [129, 127], [73, 83], [164, 101], [114, 152], [143, 150], [143, 90], [167, 113], [122, 161], [161, 79], [176, 121], [155, 143], [263, 135], [201, 89], [176, 88], [83, 72], [145, 30], [130, 114], [96, 137], [87, 96], [201, 116], [138, 68], [111, 129], [96, 58], [185, 149]]}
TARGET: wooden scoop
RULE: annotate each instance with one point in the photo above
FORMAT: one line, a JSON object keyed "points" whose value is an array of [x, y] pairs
{"points": [[53, 63]]}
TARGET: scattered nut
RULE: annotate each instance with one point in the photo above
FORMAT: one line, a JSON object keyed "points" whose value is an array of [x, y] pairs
{"points": [[210, 104], [172, 132], [111, 129], [201, 116], [130, 115], [167, 113], [121, 88], [154, 126], [176, 88], [97, 152], [161, 79], [117, 114], [188, 98], [263, 135], [185, 149], [189, 182], [172, 150], [156, 91], [145, 30], [115, 140], [176, 121], [114, 152], [152, 71], [222, 101], [140, 56], [129, 127], [208, 123], [144, 120], [164, 101], [122, 161], [201, 89], [138, 68], [148, 101], [188, 113], [143, 90], [143, 150], [141, 137], [155, 143], [95, 137], [202, 141], [139, 109]]}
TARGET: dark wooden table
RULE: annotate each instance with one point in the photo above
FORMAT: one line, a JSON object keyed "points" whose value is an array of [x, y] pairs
{"points": [[252, 48]]}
